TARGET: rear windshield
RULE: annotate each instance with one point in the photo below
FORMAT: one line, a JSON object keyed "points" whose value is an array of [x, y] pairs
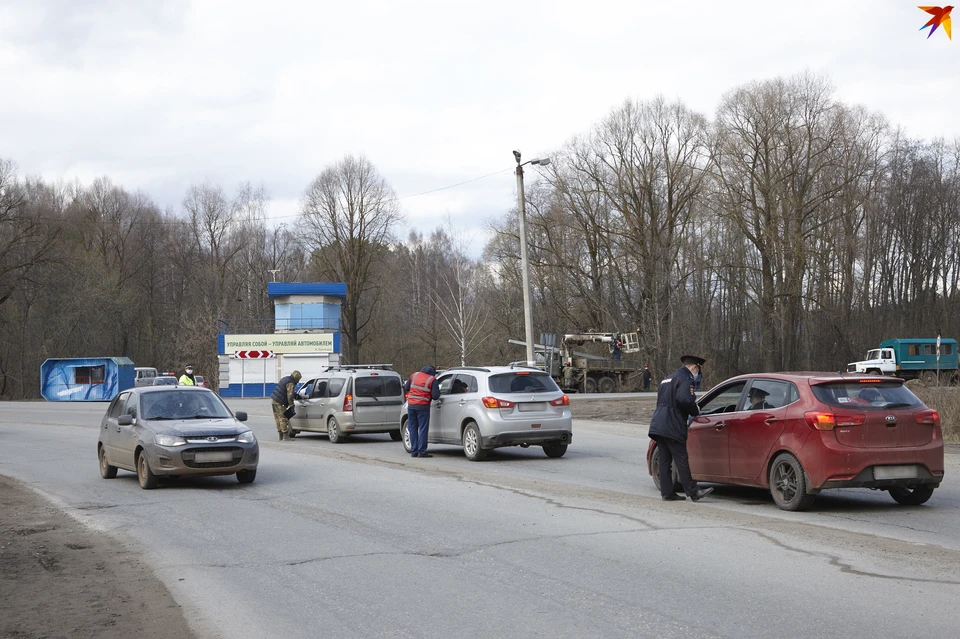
{"points": [[522, 383], [380, 386], [866, 395]]}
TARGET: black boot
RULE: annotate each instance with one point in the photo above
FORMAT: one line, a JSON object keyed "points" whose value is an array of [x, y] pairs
{"points": [[280, 432]]}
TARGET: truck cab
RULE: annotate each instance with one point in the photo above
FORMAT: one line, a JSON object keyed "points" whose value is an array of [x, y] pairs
{"points": [[879, 361]]}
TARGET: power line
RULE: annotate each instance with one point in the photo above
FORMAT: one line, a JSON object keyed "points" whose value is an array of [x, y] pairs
{"points": [[283, 217]]}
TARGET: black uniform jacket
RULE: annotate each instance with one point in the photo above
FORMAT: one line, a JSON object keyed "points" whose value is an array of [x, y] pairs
{"points": [[675, 403]]}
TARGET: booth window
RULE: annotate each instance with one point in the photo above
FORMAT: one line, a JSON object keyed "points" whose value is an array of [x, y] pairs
{"points": [[89, 374]]}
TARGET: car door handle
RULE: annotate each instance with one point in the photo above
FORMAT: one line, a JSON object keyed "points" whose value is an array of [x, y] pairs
{"points": [[463, 403], [720, 426], [771, 420], [118, 429]]}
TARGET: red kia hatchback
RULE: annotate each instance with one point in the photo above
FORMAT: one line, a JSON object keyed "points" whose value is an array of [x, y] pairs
{"points": [[800, 433]]}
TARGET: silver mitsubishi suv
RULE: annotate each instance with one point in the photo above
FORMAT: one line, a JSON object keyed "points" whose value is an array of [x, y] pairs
{"points": [[482, 408]]}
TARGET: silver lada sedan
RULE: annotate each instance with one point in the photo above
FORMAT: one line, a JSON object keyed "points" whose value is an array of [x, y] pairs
{"points": [[173, 431]]}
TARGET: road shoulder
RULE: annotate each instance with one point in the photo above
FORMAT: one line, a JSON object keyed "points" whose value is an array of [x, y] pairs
{"points": [[61, 579]]}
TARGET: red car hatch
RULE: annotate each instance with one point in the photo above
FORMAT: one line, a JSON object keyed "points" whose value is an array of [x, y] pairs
{"points": [[872, 413]]}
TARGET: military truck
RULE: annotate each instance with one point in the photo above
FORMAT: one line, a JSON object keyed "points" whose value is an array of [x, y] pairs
{"points": [[579, 372], [911, 358]]}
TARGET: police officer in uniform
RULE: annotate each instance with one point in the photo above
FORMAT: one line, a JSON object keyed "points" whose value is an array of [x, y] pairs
{"points": [[187, 379], [676, 405], [281, 399]]}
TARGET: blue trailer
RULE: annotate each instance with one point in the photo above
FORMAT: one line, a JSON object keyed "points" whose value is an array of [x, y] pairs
{"points": [[85, 379]]}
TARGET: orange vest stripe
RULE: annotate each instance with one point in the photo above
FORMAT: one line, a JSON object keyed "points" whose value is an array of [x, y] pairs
{"points": [[420, 389]]}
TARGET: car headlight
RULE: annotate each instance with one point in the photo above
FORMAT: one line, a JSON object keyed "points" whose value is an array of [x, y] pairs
{"points": [[246, 437], [169, 440]]}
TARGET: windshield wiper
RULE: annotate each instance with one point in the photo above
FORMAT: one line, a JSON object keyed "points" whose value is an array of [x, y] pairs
{"points": [[897, 405]]}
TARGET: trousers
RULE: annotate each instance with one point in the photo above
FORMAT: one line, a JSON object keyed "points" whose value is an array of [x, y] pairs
{"points": [[282, 422], [670, 451], [418, 422]]}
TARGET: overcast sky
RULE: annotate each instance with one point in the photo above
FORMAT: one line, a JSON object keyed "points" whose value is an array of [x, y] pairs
{"points": [[161, 94]]}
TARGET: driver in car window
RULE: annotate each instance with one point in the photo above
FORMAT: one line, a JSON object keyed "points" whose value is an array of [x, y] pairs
{"points": [[758, 398]]}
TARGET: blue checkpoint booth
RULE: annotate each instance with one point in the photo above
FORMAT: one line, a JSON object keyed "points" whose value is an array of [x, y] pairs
{"points": [[305, 337], [85, 379]]}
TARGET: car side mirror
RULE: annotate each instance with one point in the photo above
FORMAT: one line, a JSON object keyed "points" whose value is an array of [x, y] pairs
{"points": [[125, 420], [241, 416]]}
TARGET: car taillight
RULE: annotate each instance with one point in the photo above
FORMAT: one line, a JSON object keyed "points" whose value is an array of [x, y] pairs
{"points": [[493, 402], [930, 417], [562, 401], [829, 421], [348, 403]]}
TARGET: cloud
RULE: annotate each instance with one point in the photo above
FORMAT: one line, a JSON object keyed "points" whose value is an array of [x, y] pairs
{"points": [[159, 95]]}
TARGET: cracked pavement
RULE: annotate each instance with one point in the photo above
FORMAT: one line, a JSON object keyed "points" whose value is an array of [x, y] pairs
{"points": [[360, 540]]}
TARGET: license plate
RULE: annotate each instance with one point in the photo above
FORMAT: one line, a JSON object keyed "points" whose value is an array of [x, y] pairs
{"points": [[531, 407], [895, 472], [216, 456]]}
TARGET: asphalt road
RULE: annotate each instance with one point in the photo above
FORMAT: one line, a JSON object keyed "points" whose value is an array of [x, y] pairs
{"points": [[360, 540]]}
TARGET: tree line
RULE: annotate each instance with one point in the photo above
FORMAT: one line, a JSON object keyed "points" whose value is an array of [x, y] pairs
{"points": [[788, 231]]}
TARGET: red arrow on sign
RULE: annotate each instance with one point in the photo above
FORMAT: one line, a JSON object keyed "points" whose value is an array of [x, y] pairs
{"points": [[253, 354]]}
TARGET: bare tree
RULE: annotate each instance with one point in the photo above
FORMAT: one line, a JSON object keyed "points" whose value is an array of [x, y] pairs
{"points": [[456, 299], [349, 213]]}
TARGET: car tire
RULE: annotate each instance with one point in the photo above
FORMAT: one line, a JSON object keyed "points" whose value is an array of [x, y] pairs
{"points": [[246, 476], [106, 470], [333, 431], [911, 496], [788, 484], [607, 385], [655, 469], [590, 386], [405, 435], [148, 481], [555, 449], [929, 378], [472, 443], [396, 435]]}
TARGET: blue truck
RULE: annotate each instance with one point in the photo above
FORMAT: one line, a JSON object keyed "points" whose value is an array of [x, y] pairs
{"points": [[910, 359]]}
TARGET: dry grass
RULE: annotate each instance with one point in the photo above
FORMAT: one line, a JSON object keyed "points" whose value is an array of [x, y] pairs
{"points": [[945, 401]]}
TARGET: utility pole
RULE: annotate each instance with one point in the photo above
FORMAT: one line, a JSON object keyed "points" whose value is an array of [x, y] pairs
{"points": [[524, 262], [525, 269]]}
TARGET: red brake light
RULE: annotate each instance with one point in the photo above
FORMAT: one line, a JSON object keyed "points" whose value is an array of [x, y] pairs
{"points": [[829, 421], [930, 417], [820, 421], [561, 401], [493, 402], [348, 403], [870, 381]]}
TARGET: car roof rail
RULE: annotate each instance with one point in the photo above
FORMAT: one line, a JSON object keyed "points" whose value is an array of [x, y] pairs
{"points": [[467, 368], [348, 367], [527, 366]]}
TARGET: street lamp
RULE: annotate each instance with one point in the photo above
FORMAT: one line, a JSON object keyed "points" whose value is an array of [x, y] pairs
{"points": [[524, 264]]}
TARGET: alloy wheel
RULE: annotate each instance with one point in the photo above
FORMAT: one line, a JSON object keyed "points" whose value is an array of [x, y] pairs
{"points": [[470, 443], [785, 481]]}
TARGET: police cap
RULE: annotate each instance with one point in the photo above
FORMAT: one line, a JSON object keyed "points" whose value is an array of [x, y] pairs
{"points": [[692, 359]]}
